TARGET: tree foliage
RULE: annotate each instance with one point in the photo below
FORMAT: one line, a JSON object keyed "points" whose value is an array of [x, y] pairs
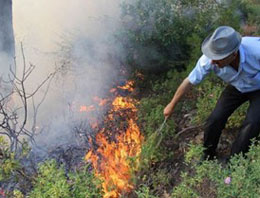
{"points": [[156, 33]]}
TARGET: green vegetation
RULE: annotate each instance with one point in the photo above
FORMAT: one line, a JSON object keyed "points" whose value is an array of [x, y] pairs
{"points": [[157, 33], [53, 182], [239, 179], [50, 181], [251, 9]]}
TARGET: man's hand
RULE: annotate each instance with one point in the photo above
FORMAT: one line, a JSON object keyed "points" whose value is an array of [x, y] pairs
{"points": [[182, 89], [168, 110]]}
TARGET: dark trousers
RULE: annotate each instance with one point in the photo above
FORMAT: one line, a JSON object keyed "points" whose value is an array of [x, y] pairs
{"points": [[228, 102]]}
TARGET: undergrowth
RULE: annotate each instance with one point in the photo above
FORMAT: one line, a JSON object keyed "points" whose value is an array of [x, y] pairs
{"points": [[239, 178]]}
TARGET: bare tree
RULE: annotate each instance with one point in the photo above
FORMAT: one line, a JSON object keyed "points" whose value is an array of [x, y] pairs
{"points": [[14, 113]]}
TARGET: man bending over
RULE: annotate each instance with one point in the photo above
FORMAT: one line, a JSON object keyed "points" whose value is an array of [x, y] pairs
{"points": [[235, 60]]}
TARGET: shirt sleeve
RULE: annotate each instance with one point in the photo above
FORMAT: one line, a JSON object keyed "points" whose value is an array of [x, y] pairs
{"points": [[202, 68], [251, 46]]}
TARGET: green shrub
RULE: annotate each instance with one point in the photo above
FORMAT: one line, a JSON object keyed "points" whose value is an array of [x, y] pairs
{"points": [[151, 118], [197, 173], [244, 172], [156, 33], [160, 179], [52, 182], [251, 10], [84, 184], [153, 33], [194, 154], [184, 191], [240, 179], [18, 194], [144, 192], [8, 162]]}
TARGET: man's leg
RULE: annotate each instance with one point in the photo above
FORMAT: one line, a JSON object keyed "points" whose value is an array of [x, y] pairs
{"points": [[251, 126], [229, 100]]}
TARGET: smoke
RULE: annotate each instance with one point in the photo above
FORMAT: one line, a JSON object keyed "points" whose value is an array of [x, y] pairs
{"points": [[74, 34]]}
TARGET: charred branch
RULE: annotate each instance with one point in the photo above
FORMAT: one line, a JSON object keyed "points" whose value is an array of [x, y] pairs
{"points": [[14, 119]]}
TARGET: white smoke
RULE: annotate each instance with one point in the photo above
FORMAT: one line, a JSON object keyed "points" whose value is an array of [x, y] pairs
{"points": [[78, 32]]}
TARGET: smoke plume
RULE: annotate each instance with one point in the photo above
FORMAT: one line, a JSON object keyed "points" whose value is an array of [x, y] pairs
{"points": [[76, 35]]}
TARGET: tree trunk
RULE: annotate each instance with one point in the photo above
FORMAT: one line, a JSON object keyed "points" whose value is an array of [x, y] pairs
{"points": [[7, 48], [6, 28]]}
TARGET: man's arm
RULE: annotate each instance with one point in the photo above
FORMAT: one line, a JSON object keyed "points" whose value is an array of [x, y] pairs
{"points": [[202, 68], [184, 87]]}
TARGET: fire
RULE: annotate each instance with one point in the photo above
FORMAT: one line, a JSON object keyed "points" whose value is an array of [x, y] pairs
{"points": [[123, 103], [85, 108], [100, 101], [128, 86], [114, 160]]}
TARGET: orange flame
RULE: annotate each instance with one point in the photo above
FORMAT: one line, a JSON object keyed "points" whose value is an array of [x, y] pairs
{"points": [[128, 86], [85, 108], [100, 101], [123, 103], [112, 160]]}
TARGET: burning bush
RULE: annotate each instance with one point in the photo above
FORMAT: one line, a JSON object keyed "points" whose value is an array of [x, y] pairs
{"points": [[119, 145]]}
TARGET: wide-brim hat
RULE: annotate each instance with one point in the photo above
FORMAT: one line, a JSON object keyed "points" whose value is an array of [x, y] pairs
{"points": [[223, 42]]}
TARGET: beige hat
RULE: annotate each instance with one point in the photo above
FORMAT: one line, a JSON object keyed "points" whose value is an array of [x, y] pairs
{"points": [[223, 42]]}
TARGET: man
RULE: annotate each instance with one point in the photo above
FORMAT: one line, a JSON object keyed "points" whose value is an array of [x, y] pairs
{"points": [[235, 60]]}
